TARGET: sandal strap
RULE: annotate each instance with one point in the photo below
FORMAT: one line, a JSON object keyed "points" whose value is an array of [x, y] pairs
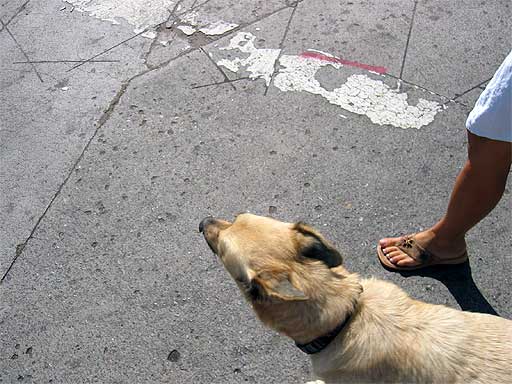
{"points": [[415, 251]]}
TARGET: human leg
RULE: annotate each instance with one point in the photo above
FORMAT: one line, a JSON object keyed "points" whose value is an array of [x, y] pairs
{"points": [[478, 188]]}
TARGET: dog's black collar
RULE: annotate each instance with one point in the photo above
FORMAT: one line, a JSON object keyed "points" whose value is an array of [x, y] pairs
{"points": [[321, 342]]}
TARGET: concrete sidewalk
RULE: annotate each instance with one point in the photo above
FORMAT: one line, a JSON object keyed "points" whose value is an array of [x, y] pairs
{"points": [[124, 123]]}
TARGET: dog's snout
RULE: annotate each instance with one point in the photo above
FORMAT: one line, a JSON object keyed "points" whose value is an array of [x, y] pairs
{"points": [[205, 222]]}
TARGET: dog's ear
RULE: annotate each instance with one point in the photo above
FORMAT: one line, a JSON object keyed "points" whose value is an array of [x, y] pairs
{"points": [[312, 245], [268, 285]]}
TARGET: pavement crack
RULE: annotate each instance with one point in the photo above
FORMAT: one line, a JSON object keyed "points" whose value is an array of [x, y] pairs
{"points": [[216, 38], [226, 78], [101, 122], [408, 39], [150, 68], [193, 7], [293, 5], [167, 24], [110, 109]]}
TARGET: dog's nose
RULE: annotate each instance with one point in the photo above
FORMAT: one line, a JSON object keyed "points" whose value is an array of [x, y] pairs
{"points": [[205, 222]]}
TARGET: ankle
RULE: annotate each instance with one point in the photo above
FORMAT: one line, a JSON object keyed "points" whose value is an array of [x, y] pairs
{"points": [[445, 239]]}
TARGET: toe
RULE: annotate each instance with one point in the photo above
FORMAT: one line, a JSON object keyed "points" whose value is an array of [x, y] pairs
{"points": [[391, 249], [397, 258], [393, 254], [389, 241], [406, 261]]}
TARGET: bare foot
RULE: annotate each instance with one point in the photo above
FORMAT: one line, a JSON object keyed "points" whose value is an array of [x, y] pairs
{"points": [[443, 249]]}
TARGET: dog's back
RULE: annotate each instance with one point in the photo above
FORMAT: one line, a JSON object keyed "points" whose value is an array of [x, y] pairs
{"points": [[394, 338]]}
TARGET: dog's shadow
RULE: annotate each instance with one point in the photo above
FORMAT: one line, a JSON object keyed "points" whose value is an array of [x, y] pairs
{"points": [[459, 281]]}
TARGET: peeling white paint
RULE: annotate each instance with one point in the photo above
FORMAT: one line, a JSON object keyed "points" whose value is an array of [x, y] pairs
{"points": [[141, 14], [218, 28], [190, 18], [259, 63], [360, 94], [191, 23], [144, 14], [187, 29]]}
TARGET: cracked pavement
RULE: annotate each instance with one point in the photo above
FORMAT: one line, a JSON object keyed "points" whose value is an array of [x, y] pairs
{"points": [[114, 145]]}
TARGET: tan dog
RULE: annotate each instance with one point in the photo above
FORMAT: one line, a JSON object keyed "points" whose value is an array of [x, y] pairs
{"points": [[357, 330]]}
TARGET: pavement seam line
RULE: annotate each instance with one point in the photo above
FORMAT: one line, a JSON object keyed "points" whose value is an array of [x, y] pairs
{"points": [[426, 89], [18, 11], [281, 46], [107, 50], [221, 82], [479, 85], [21, 49], [63, 61], [408, 39]]}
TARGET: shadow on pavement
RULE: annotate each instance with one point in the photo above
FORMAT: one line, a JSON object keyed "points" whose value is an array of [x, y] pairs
{"points": [[459, 281]]}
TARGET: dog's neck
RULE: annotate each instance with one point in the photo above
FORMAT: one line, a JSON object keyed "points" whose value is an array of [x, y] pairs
{"points": [[339, 303], [329, 304]]}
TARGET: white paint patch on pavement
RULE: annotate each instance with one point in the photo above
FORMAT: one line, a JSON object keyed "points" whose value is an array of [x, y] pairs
{"points": [[187, 29], [360, 94], [144, 14], [141, 14], [259, 63], [218, 28]]}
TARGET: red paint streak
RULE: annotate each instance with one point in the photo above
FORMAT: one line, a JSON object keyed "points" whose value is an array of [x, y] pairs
{"points": [[330, 59]]}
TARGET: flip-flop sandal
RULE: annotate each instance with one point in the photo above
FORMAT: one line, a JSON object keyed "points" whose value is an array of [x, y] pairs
{"points": [[415, 251]]}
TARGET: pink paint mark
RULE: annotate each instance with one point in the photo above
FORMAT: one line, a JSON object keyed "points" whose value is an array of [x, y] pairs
{"points": [[331, 59]]}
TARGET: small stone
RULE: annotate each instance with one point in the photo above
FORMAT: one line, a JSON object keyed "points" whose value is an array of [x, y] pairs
{"points": [[174, 356], [272, 209]]}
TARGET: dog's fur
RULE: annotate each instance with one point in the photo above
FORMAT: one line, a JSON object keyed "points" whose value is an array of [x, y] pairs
{"points": [[294, 280]]}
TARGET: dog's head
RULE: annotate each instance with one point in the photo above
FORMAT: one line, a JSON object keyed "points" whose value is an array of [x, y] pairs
{"points": [[292, 275]]}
